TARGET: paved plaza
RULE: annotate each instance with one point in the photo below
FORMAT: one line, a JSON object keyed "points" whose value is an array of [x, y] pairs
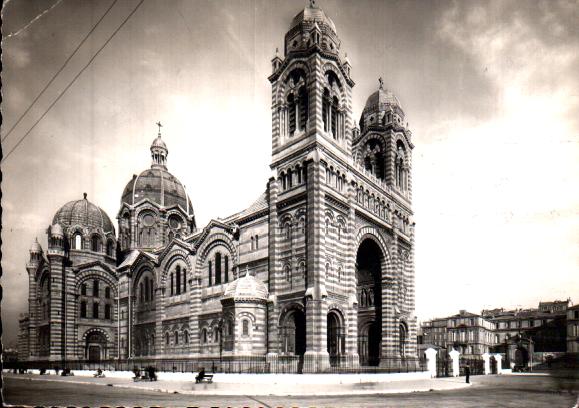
{"points": [[485, 391]]}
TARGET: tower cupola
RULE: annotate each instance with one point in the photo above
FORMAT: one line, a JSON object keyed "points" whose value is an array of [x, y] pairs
{"points": [[311, 27], [35, 251], [159, 151]]}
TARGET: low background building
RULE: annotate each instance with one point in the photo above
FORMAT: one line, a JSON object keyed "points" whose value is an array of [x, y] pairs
{"points": [[573, 329], [469, 333]]}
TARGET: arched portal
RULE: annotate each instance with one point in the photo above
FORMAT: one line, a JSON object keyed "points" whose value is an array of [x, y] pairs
{"points": [[294, 333], [335, 336], [369, 262], [96, 346]]}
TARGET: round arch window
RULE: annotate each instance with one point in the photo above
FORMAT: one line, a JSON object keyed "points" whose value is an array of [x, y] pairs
{"points": [[148, 220], [175, 222]]}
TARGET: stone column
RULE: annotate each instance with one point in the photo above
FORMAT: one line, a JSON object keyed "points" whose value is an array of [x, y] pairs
{"points": [[499, 359], [273, 338], [455, 357], [350, 274], [487, 359], [316, 357], [431, 361]]}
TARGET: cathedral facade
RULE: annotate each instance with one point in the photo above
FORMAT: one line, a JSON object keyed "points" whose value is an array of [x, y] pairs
{"points": [[320, 266]]}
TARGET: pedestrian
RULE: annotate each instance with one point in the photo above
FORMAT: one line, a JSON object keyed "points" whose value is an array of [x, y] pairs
{"points": [[200, 376], [152, 375], [467, 373]]}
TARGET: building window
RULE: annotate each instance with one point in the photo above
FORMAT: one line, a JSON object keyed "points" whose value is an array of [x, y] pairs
{"points": [[327, 227], [83, 289], [83, 309], [178, 284], [184, 280], [167, 341], [252, 243], [257, 242], [95, 310], [77, 242], [226, 268], [95, 288], [176, 338], [287, 273], [108, 312], [108, 292], [218, 268], [246, 327], [327, 271], [95, 244], [204, 335], [147, 291], [186, 337], [288, 230], [110, 248], [172, 285], [210, 272]]}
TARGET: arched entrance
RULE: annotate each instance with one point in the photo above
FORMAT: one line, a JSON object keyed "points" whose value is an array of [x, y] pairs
{"points": [[293, 333], [369, 291], [96, 346], [402, 334], [335, 337]]}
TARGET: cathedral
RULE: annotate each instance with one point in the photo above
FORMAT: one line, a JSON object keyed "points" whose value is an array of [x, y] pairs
{"points": [[320, 268]]}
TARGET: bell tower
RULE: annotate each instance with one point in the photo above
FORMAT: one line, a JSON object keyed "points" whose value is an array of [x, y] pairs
{"points": [[311, 151], [311, 89]]}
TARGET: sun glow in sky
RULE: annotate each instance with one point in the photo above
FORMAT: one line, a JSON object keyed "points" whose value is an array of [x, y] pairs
{"points": [[490, 88]]}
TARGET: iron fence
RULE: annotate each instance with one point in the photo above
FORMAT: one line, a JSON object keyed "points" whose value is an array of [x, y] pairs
{"points": [[239, 365], [476, 366]]}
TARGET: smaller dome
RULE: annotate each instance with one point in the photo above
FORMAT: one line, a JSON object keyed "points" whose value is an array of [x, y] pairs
{"points": [[35, 247], [56, 230], [83, 213], [246, 288], [380, 99], [158, 142], [312, 14]]}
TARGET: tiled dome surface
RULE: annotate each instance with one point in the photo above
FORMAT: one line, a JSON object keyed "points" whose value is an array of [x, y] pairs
{"points": [[380, 99], [312, 14], [159, 186], [84, 213], [246, 288]]}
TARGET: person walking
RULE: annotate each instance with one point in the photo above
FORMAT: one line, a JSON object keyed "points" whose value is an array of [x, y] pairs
{"points": [[467, 373]]}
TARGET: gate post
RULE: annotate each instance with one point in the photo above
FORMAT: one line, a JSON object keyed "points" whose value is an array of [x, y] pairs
{"points": [[430, 354], [455, 356], [487, 359], [499, 359]]}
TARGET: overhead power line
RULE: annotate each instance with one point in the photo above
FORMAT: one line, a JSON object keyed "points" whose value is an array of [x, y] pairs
{"points": [[59, 71], [73, 80]]}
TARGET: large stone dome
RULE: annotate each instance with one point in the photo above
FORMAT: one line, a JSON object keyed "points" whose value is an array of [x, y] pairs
{"points": [[85, 214], [156, 183], [159, 186], [247, 288], [312, 14]]}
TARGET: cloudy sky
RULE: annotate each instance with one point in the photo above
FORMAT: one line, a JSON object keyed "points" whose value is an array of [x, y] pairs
{"points": [[491, 91]]}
